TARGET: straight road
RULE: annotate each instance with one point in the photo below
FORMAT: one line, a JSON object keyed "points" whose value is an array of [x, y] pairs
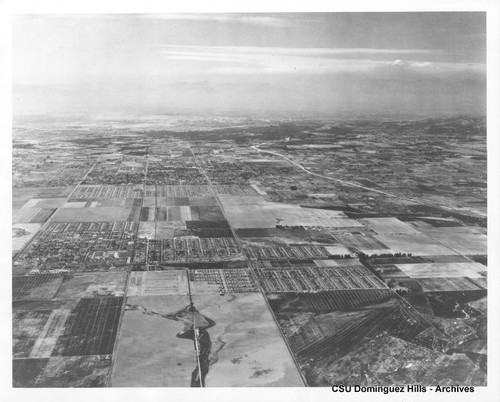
{"points": [[238, 242]]}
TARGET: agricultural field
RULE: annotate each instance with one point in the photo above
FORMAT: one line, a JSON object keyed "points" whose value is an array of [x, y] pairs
{"points": [[50, 203], [90, 328], [443, 270], [36, 286], [102, 214], [452, 284], [415, 244], [388, 226], [464, 240], [22, 195], [205, 257], [366, 244], [32, 215]]}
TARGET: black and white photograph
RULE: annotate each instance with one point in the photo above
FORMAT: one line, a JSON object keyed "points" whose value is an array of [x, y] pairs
{"points": [[258, 199]]}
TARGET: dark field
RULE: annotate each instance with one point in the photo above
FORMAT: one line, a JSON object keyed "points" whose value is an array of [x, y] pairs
{"points": [[91, 327]]}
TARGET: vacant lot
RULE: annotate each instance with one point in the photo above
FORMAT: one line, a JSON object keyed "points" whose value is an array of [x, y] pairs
{"points": [[147, 230], [92, 284], [443, 270], [81, 371], [22, 233], [395, 361], [105, 214], [416, 244], [387, 226], [157, 283], [164, 230], [149, 352], [45, 203], [255, 212], [36, 326], [247, 349]]}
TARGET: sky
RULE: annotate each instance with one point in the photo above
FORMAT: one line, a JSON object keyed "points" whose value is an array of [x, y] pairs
{"points": [[307, 64]]}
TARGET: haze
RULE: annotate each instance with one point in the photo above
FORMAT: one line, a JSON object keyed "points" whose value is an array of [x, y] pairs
{"points": [[259, 64]]}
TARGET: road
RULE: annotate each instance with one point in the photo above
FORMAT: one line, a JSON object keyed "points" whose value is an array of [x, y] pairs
{"points": [[250, 268], [347, 183]]}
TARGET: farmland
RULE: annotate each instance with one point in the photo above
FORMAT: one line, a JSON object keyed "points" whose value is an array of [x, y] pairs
{"points": [[260, 255]]}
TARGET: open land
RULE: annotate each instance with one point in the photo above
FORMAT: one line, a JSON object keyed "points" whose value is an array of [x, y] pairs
{"points": [[283, 253]]}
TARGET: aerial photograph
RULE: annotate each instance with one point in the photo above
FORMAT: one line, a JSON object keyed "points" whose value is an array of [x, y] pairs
{"points": [[249, 200]]}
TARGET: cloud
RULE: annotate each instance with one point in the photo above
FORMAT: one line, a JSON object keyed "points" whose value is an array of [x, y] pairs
{"points": [[222, 18], [308, 51], [401, 63], [268, 60]]}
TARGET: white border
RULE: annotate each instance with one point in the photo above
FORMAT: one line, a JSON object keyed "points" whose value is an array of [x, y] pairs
{"points": [[8, 8]]}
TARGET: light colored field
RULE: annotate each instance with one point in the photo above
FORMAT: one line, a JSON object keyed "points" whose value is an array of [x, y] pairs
{"points": [[75, 204], [21, 195], [337, 249], [207, 201], [246, 346], [25, 215], [157, 283], [147, 230], [416, 244], [115, 202], [481, 282], [442, 270], [22, 233], [105, 214], [480, 305], [464, 240], [46, 341], [255, 212], [201, 288], [148, 201], [149, 353], [447, 284], [344, 262], [387, 226], [367, 244], [151, 214], [93, 284], [164, 230], [185, 212], [45, 203]]}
